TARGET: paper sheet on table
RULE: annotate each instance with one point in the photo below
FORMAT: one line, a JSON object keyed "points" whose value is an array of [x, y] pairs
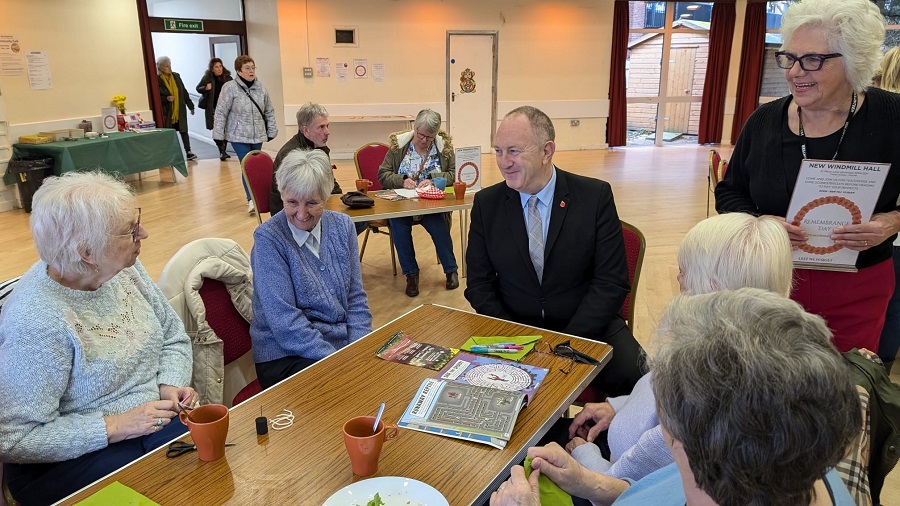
{"points": [[409, 194], [527, 343], [116, 493]]}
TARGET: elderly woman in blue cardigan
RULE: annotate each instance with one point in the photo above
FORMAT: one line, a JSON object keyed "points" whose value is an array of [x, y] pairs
{"points": [[308, 298]]}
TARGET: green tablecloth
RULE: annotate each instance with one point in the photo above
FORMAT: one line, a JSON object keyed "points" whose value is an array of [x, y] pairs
{"points": [[121, 153]]}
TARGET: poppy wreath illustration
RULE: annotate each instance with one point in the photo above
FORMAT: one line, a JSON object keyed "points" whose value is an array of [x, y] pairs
{"points": [[855, 217]]}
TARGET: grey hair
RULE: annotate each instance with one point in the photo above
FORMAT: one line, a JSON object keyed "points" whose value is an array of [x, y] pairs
{"points": [[752, 387], [305, 174], [308, 112], [736, 250], [428, 120], [79, 213], [854, 28], [539, 121], [162, 60]]}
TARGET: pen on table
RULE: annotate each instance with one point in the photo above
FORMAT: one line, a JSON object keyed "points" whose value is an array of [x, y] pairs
{"points": [[485, 349], [503, 346]]}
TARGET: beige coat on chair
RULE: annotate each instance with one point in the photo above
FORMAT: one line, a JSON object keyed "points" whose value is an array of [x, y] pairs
{"points": [[225, 260]]}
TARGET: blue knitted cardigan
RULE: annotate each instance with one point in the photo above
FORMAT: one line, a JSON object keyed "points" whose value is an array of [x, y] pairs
{"points": [[302, 305]]}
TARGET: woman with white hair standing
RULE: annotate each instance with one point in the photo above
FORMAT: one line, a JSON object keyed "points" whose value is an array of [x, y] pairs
{"points": [[308, 298], [93, 360], [414, 160], [175, 102], [829, 53]]}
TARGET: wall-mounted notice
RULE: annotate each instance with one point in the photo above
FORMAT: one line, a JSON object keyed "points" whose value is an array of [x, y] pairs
{"points": [[39, 70], [323, 66], [341, 70], [378, 72], [360, 68], [12, 62]]}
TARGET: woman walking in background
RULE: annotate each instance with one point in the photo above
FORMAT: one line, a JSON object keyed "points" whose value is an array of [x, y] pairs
{"points": [[175, 102], [209, 89], [244, 115]]}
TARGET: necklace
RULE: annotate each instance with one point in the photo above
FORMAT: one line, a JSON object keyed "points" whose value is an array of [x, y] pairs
{"points": [[853, 103]]}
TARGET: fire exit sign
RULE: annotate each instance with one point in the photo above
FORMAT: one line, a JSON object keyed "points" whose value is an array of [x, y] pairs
{"points": [[183, 25]]}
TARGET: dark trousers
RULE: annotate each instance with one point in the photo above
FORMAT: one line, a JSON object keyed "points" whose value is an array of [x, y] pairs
{"points": [[274, 371], [627, 364], [48, 483], [181, 126], [437, 227]]}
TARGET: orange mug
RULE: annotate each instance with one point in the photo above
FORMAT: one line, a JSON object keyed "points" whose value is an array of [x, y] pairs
{"points": [[363, 186], [208, 425], [364, 445], [459, 189]]}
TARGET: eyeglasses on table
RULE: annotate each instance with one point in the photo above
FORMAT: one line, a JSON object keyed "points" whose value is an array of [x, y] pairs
{"points": [[566, 351]]}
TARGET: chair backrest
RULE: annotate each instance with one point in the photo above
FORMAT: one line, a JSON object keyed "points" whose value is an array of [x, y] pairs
{"points": [[224, 319], [634, 254], [714, 160], [6, 288], [723, 168], [257, 168], [368, 159]]}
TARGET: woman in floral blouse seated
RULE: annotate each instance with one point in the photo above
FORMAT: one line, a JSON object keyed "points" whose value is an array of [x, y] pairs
{"points": [[93, 360]]}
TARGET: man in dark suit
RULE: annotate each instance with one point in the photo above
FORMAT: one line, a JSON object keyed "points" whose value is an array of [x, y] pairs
{"points": [[546, 248]]}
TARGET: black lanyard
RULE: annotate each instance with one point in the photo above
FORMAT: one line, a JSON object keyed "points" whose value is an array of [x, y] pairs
{"points": [[846, 125]]}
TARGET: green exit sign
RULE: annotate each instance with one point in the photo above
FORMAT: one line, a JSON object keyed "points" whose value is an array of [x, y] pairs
{"points": [[184, 25]]}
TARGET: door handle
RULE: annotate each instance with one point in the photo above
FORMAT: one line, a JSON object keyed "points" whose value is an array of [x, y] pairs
{"points": [[453, 96]]}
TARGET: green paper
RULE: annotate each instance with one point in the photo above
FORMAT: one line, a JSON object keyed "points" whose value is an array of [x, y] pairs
{"points": [[550, 492], [526, 341], [116, 493]]}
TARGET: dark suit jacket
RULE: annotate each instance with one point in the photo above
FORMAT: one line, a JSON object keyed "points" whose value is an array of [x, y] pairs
{"points": [[585, 270]]}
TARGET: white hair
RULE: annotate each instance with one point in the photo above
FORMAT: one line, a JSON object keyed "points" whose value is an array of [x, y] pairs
{"points": [[736, 250], [78, 214], [854, 28], [305, 173], [162, 60]]}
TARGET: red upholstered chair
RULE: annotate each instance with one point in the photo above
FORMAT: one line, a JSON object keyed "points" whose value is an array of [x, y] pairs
{"points": [[712, 175], [635, 243], [257, 168], [230, 327], [368, 159]]}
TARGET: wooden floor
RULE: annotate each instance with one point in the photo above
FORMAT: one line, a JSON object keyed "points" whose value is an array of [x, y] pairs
{"points": [[662, 191]]}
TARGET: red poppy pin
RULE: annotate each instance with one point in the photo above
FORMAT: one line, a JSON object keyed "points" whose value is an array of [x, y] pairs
{"points": [[562, 203]]}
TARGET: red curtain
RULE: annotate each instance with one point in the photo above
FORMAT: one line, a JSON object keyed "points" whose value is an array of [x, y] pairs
{"points": [[712, 108], [618, 109], [750, 77]]}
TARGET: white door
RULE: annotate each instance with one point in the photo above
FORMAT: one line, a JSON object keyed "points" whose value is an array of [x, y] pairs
{"points": [[228, 48], [472, 88]]}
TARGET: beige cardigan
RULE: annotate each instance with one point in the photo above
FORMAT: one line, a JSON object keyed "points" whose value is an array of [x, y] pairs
{"points": [[225, 260]]}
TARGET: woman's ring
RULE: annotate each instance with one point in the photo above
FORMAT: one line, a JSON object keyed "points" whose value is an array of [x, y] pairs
{"points": [[159, 422], [865, 244]]}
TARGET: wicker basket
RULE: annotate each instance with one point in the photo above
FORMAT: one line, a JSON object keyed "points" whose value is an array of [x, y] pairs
{"points": [[34, 139]]}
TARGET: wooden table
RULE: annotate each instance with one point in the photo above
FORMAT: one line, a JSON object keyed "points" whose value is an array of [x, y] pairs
{"points": [[121, 153], [307, 463], [386, 209]]}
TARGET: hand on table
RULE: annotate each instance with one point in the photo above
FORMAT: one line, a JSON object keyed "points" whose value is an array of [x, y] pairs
{"points": [[140, 421], [866, 235], [518, 490], [425, 183], [409, 184], [592, 420]]}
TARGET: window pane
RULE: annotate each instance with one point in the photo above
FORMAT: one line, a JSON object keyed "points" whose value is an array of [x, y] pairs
{"points": [[227, 10], [646, 15], [774, 11], [694, 11], [641, 124], [642, 67], [682, 123]]}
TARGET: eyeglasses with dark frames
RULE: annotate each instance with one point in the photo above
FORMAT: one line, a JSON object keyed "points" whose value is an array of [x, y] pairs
{"points": [[136, 231], [566, 351], [809, 62]]}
